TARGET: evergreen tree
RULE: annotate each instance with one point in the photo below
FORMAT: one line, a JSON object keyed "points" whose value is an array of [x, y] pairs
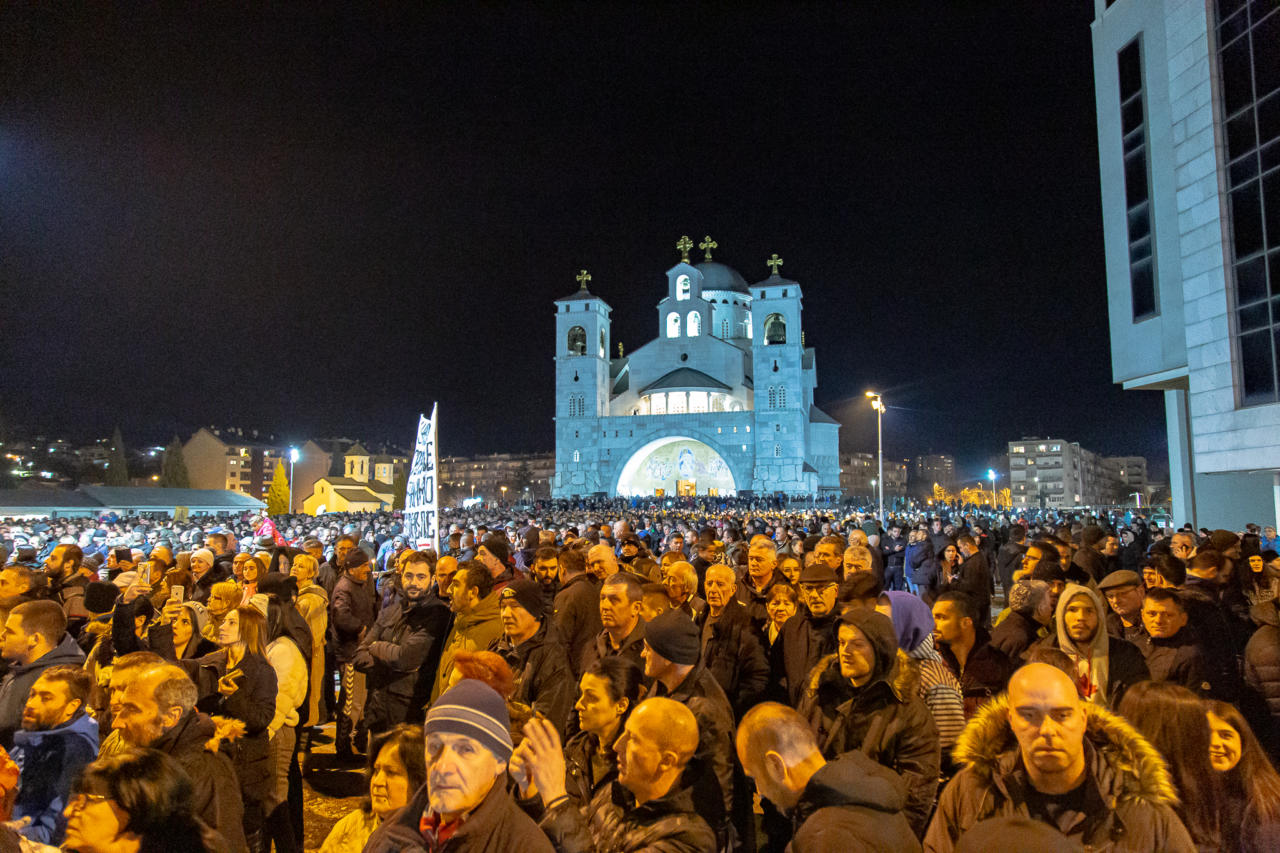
{"points": [[173, 471], [278, 496], [400, 486], [117, 473]]}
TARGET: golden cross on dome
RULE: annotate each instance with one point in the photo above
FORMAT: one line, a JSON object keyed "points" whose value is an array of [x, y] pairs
{"points": [[707, 245], [684, 244], [582, 278], [773, 263]]}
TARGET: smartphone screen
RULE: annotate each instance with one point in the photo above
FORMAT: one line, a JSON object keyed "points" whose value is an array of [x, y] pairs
{"points": [[176, 592]]}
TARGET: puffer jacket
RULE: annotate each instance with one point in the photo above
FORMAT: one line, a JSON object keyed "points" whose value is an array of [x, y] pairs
{"points": [[923, 568], [313, 604], [17, 684], [612, 823], [1129, 787], [50, 760], [351, 613], [404, 638], [1016, 633], [1262, 657], [853, 803], [497, 825], [733, 655], [885, 719]]}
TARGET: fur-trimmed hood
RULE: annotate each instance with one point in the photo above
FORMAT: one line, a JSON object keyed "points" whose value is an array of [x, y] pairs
{"points": [[903, 677], [1137, 771]]}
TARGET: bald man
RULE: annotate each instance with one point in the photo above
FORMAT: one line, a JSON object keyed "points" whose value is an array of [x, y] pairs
{"points": [[1107, 792], [644, 808], [601, 562], [851, 803]]}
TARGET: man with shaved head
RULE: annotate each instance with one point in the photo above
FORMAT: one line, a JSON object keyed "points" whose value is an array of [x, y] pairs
{"points": [[644, 808], [851, 803], [1026, 755], [158, 711], [601, 562]]}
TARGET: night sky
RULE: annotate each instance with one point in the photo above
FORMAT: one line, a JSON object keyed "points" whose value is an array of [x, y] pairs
{"points": [[317, 222]]}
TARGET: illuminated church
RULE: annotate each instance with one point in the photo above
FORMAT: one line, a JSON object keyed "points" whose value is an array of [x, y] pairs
{"points": [[720, 403]]}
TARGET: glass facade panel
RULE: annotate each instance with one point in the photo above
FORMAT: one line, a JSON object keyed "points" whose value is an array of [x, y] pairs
{"points": [[1137, 188]]}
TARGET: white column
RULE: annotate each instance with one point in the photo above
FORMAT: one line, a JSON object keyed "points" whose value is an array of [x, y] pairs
{"points": [[1181, 471]]}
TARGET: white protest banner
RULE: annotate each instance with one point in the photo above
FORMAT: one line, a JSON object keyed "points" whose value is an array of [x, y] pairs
{"points": [[421, 518]]}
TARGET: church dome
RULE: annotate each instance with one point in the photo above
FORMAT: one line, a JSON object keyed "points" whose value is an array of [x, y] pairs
{"points": [[717, 276]]}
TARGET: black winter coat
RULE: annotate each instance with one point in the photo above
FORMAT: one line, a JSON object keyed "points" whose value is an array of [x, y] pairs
{"points": [[1008, 561], [577, 619], [803, 642], [1178, 659], [709, 774], [1262, 658], [735, 657], [853, 803], [216, 793], [351, 613], [254, 703], [612, 823], [887, 722], [1014, 635], [543, 680], [403, 639], [986, 672], [973, 578]]}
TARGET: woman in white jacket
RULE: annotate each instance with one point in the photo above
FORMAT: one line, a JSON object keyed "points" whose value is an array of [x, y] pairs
{"points": [[291, 680]]}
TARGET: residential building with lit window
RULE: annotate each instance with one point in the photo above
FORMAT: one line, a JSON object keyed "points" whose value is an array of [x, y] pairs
{"points": [[526, 476], [226, 459], [1051, 473], [1188, 104]]}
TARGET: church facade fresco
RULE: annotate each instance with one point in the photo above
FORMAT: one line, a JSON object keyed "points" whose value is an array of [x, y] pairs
{"points": [[719, 403]]}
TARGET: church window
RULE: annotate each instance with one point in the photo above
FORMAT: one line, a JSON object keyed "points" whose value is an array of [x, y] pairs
{"points": [[782, 397], [777, 427], [777, 451], [724, 329], [577, 341], [717, 403], [748, 429], [784, 294], [673, 325], [773, 397], [695, 324], [697, 401], [747, 327], [577, 457], [602, 346], [683, 290], [775, 330]]}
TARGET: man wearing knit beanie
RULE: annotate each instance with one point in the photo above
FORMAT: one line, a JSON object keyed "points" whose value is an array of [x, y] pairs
{"points": [[464, 801], [672, 647], [538, 659]]}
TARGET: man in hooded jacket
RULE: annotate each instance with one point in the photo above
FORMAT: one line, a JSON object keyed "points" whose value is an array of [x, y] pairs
{"points": [[1027, 755], [1105, 666], [860, 698]]}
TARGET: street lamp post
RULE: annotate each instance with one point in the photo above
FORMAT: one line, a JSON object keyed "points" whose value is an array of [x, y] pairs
{"points": [[878, 405], [504, 495], [991, 475], [293, 457]]}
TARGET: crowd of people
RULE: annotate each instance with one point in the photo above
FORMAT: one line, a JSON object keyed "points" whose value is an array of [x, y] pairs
{"points": [[608, 676]]}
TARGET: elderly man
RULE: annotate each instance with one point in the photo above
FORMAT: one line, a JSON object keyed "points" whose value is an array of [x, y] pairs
{"points": [[850, 803], [760, 577], [810, 634], [644, 808], [1027, 755], [158, 711], [464, 805], [1124, 592], [731, 648], [681, 581]]}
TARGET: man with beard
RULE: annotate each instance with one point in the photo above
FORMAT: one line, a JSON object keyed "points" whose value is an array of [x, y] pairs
{"points": [[398, 654], [158, 712], [1105, 666], [56, 741], [464, 806], [546, 571]]}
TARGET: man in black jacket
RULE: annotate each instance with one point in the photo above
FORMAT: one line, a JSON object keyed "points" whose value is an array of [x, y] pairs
{"points": [[1009, 557], [851, 803], [399, 653], [577, 608], [810, 635], [731, 648], [982, 669], [671, 659], [973, 578], [157, 711], [537, 658], [1172, 650]]}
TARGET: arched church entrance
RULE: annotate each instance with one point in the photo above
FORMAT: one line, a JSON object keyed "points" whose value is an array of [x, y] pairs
{"points": [[675, 465]]}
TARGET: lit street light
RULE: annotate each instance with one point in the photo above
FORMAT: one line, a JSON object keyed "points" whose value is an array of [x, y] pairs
{"points": [[878, 405], [293, 457], [991, 475]]}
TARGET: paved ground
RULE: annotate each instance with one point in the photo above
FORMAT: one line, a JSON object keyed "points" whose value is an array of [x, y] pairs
{"points": [[329, 791]]}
